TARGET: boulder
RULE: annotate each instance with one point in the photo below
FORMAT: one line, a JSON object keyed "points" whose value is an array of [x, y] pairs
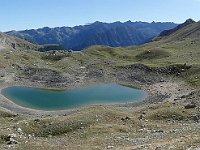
{"points": [[190, 106]]}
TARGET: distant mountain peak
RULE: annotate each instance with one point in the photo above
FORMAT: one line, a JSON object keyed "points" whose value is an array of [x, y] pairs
{"points": [[129, 21], [189, 21], [97, 22]]}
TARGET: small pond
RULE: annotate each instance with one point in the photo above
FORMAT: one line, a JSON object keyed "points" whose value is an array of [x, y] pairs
{"points": [[44, 99]]}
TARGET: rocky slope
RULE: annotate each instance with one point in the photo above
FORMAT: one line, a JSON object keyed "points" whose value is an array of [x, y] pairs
{"points": [[109, 34], [10, 42]]}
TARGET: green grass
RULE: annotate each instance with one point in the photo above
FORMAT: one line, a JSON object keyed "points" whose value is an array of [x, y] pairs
{"points": [[62, 125], [100, 127], [5, 114], [156, 54], [153, 54], [168, 111], [192, 76]]}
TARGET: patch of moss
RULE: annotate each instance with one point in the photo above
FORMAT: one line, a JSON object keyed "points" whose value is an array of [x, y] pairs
{"points": [[169, 112], [152, 54]]}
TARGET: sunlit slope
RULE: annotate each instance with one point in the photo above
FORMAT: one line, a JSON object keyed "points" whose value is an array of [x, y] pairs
{"points": [[10, 42]]}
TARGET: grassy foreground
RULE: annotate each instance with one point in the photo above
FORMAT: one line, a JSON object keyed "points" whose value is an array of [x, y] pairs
{"points": [[158, 126]]}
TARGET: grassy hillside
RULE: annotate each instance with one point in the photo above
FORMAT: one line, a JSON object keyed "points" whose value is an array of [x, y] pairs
{"points": [[164, 52]]}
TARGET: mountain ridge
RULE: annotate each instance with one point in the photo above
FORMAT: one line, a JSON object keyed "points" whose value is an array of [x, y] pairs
{"points": [[187, 30], [115, 34], [171, 31]]}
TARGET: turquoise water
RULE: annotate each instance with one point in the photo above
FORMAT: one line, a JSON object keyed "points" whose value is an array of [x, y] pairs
{"points": [[44, 99]]}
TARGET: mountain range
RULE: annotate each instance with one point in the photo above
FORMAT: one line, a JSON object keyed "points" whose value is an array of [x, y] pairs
{"points": [[115, 34]]}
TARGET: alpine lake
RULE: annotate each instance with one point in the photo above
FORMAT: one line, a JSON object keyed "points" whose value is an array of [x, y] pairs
{"points": [[48, 100]]}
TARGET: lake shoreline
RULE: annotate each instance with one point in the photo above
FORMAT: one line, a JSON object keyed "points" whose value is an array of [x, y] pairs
{"points": [[158, 92]]}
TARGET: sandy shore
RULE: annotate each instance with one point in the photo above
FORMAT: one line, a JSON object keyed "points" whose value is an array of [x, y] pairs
{"points": [[162, 91]]}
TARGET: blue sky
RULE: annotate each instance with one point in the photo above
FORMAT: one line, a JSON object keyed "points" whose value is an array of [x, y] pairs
{"points": [[28, 14]]}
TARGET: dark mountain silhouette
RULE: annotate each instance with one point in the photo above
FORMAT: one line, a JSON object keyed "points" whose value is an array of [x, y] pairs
{"points": [[115, 34]]}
